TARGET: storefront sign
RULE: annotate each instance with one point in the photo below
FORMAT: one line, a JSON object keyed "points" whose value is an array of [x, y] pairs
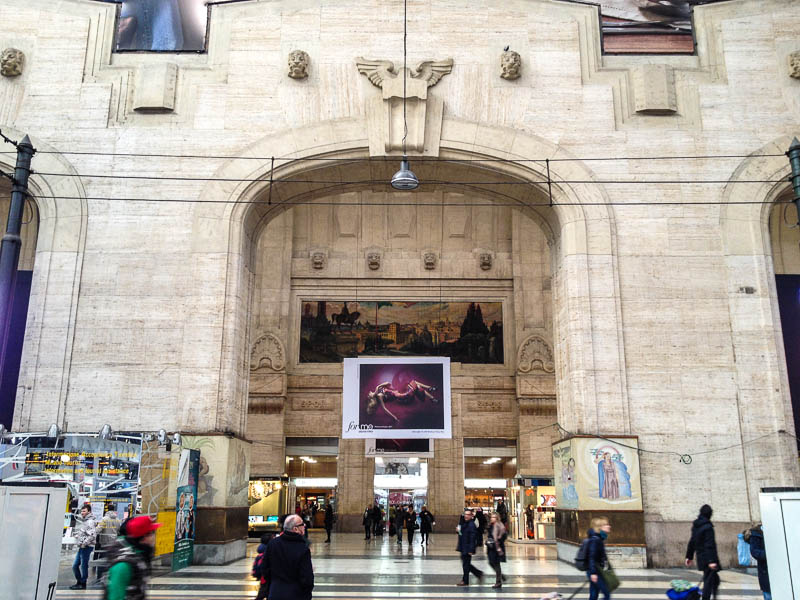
{"points": [[396, 398], [189, 470]]}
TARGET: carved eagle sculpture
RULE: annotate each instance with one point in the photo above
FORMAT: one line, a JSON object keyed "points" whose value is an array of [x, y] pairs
{"points": [[430, 71]]}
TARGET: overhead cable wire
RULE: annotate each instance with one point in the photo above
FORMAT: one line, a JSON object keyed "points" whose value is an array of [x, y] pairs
{"points": [[515, 204], [429, 182], [394, 158]]}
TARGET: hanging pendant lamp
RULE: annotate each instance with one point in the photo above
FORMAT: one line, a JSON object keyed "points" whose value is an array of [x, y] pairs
{"points": [[404, 179]]}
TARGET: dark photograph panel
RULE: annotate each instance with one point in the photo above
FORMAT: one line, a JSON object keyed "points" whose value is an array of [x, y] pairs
{"points": [[466, 332]]}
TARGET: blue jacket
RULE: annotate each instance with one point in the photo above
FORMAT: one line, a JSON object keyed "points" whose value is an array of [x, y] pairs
{"points": [[759, 552], [287, 568], [468, 540], [596, 553]]}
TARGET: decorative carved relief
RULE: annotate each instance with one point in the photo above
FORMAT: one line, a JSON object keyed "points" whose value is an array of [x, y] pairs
{"points": [[412, 84], [538, 407], [265, 405], [794, 65], [429, 260], [535, 354], [11, 62], [298, 64], [485, 260], [318, 258], [373, 260], [268, 352], [510, 64]]}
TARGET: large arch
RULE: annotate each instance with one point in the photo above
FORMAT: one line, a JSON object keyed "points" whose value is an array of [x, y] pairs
{"points": [[334, 156], [42, 391], [763, 398]]}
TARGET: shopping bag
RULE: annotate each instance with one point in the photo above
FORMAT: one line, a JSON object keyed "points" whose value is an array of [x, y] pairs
{"points": [[611, 579], [743, 552]]}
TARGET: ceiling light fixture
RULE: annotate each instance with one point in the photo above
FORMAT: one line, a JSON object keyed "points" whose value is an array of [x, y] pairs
{"points": [[404, 179]]}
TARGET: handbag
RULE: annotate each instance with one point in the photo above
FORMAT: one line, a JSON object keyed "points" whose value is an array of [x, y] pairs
{"points": [[611, 579]]}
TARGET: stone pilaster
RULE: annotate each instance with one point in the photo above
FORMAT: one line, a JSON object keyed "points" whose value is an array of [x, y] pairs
{"points": [[356, 479], [446, 483]]}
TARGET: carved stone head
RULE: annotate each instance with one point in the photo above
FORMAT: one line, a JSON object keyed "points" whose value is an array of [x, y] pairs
{"points": [[318, 259], [510, 65], [429, 260], [794, 65], [298, 64], [485, 260], [11, 62], [374, 260]]}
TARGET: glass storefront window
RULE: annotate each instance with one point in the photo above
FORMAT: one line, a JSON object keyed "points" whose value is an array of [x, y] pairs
{"points": [[162, 25]]}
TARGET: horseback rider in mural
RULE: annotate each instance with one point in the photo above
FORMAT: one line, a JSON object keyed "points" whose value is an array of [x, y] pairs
{"points": [[385, 393]]}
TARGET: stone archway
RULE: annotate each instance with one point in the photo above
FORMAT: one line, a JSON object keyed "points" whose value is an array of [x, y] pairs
{"points": [[63, 213], [764, 403], [334, 156]]}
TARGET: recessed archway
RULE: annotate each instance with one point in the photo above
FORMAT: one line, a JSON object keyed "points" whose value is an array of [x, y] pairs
{"points": [[333, 157]]}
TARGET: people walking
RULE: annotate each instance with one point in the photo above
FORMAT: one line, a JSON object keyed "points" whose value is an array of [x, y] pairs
{"points": [[502, 510], [704, 545], [411, 524], [596, 558], [426, 522], [759, 551], [258, 566], [106, 535], [287, 566], [367, 522], [480, 523], [131, 554], [496, 547], [377, 520], [467, 540], [399, 522], [85, 534], [328, 521]]}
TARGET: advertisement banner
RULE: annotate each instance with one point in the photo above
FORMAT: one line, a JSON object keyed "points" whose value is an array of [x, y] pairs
{"points": [[396, 398], [421, 448], [183, 552]]}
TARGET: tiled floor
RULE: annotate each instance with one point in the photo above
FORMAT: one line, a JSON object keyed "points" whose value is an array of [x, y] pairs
{"points": [[352, 568]]}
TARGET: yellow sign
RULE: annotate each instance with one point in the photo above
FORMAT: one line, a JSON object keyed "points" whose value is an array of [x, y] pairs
{"points": [[165, 535]]}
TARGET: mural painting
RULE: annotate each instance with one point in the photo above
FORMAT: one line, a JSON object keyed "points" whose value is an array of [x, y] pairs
{"points": [[594, 473], [466, 332]]}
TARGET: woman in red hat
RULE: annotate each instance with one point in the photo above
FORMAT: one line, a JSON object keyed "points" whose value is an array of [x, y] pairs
{"points": [[130, 560]]}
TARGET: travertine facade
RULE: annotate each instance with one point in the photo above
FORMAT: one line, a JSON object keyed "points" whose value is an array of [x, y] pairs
{"points": [[183, 315]]}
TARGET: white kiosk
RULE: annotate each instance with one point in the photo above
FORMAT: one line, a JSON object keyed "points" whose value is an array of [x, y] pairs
{"points": [[780, 515], [31, 527]]}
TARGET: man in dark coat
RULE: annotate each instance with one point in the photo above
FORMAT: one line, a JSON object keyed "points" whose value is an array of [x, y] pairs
{"points": [[704, 545], [399, 522], [502, 510], [328, 520], [759, 552], [367, 522], [411, 523], [377, 520], [467, 541], [426, 524], [287, 563], [480, 523]]}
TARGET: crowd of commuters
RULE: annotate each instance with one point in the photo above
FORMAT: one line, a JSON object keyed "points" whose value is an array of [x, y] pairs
{"points": [[283, 563]]}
